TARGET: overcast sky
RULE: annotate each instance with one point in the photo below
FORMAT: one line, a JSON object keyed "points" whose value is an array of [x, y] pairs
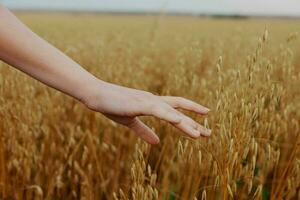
{"points": [[244, 7]]}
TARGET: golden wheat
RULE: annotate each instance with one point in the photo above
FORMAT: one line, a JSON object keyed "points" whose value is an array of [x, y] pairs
{"points": [[52, 147]]}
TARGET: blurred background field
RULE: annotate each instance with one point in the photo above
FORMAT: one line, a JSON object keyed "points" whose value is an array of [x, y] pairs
{"points": [[246, 70]]}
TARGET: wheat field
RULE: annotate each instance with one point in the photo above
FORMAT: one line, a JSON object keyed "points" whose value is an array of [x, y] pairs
{"points": [[246, 70]]}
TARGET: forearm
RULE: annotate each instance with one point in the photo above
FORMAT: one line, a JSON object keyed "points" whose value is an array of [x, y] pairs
{"points": [[26, 51]]}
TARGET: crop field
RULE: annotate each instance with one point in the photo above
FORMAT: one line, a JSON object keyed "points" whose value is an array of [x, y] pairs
{"points": [[246, 70]]}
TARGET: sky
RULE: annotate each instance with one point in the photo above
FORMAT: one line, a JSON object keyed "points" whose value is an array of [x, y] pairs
{"points": [[230, 7]]}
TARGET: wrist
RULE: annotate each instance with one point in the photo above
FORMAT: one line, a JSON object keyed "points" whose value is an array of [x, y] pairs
{"points": [[91, 94]]}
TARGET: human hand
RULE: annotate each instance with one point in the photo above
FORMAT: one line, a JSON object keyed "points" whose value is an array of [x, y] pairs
{"points": [[124, 106]]}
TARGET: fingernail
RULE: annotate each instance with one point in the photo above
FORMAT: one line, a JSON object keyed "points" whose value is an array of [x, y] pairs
{"points": [[207, 132], [203, 110], [207, 110]]}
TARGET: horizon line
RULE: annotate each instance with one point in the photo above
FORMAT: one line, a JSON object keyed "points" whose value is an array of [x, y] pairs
{"points": [[170, 13]]}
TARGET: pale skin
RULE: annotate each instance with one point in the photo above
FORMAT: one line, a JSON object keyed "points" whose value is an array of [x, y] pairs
{"points": [[27, 52]]}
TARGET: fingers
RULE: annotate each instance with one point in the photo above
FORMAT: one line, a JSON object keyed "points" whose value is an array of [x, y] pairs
{"points": [[143, 131], [192, 128], [179, 102], [137, 126], [165, 112]]}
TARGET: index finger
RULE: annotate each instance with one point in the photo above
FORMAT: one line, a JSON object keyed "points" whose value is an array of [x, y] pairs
{"points": [[180, 102]]}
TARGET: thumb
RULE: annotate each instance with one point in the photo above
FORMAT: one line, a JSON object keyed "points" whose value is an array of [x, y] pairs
{"points": [[143, 131]]}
